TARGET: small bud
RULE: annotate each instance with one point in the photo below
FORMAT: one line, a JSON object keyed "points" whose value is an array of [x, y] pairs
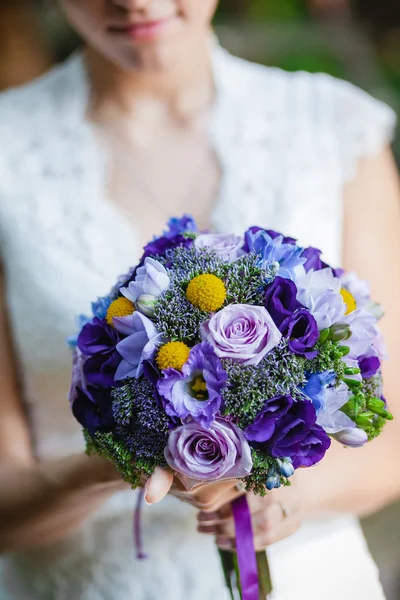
{"points": [[344, 350], [352, 371], [323, 336], [365, 419], [353, 438], [339, 332], [273, 479], [378, 407], [146, 304], [353, 384], [285, 466]]}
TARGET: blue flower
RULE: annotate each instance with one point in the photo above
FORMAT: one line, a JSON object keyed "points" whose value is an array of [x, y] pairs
{"points": [[276, 250], [100, 307], [185, 224], [315, 388]]}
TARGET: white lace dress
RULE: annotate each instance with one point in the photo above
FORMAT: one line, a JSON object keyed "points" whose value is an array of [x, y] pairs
{"points": [[287, 143]]}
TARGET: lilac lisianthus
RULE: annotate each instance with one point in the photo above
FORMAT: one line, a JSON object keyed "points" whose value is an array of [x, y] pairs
{"points": [[98, 341], [78, 375], [151, 278], [301, 329], [242, 332], [81, 321], [363, 327], [227, 246], [280, 299], [319, 291], [196, 390], [298, 437], [140, 345], [276, 250], [198, 454], [273, 234], [93, 409], [352, 438], [263, 427], [330, 416]]}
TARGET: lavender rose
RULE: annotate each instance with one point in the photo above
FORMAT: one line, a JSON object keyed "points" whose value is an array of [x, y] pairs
{"points": [[242, 332], [227, 246], [199, 454]]}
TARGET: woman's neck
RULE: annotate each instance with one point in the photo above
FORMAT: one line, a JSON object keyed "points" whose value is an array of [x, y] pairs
{"points": [[184, 89]]}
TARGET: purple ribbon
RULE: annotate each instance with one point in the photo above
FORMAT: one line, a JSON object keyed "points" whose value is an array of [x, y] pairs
{"points": [[137, 526], [245, 550]]}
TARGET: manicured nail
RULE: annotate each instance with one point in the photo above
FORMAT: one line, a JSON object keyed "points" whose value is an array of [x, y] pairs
{"points": [[146, 489]]}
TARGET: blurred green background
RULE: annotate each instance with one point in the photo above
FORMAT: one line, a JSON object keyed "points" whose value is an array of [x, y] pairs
{"points": [[358, 40]]}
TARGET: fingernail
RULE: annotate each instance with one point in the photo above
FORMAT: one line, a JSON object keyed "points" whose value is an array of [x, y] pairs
{"points": [[146, 489]]}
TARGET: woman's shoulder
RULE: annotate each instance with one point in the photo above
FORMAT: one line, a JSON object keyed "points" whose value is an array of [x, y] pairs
{"points": [[317, 104], [319, 95], [32, 115], [27, 108]]}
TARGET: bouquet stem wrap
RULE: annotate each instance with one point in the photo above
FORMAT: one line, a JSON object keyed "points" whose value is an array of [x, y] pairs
{"points": [[246, 572]]}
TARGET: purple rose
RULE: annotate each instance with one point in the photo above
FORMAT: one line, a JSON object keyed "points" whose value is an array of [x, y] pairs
{"points": [[196, 390], [78, 376], [203, 455], [93, 409], [313, 262], [280, 299], [298, 437], [264, 425], [160, 245], [369, 366], [98, 341], [242, 332], [227, 246], [301, 329]]}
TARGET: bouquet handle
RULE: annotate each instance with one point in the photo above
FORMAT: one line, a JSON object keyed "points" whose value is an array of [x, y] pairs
{"points": [[247, 573]]}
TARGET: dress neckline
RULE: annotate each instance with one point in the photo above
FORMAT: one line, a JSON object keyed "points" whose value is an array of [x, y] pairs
{"points": [[102, 161]]}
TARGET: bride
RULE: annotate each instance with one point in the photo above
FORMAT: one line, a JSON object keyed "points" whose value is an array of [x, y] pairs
{"points": [[154, 119]]}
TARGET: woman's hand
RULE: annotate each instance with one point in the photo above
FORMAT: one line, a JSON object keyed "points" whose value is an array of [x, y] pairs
{"points": [[274, 517], [209, 497]]}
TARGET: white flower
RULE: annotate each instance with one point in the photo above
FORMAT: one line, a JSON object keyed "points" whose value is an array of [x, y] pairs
{"points": [[151, 278], [319, 291]]}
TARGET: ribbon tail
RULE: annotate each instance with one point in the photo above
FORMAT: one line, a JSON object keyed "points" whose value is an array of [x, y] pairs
{"points": [[137, 526], [246, 555]]}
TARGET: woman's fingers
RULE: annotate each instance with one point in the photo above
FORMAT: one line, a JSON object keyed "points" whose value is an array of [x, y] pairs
{"points": [[263, 537], [158, 486]]}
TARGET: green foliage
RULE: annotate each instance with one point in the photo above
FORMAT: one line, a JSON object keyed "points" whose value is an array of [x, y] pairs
{"points": [[247, 389], [255, 482], [329, 359]]}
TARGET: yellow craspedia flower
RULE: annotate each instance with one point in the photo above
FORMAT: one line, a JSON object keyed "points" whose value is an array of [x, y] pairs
{"points": [[121, 307], [206, 292], [172, 356], [349, 301]]}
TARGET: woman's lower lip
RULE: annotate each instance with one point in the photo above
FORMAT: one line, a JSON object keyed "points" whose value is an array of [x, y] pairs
{"points": [[147, 31]]}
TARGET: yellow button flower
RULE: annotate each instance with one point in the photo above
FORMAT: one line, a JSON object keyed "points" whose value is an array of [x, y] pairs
{"points": [[207, 292], [172, 356], [349, 301], [121, 307]]}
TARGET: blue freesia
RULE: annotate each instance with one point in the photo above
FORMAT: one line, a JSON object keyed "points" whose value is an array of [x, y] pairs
{"points": [[275, 250], [100, 307], [315, 388], [185, 224]]}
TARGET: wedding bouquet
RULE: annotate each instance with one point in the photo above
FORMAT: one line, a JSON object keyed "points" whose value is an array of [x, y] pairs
{"points": [[228, 357]]}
